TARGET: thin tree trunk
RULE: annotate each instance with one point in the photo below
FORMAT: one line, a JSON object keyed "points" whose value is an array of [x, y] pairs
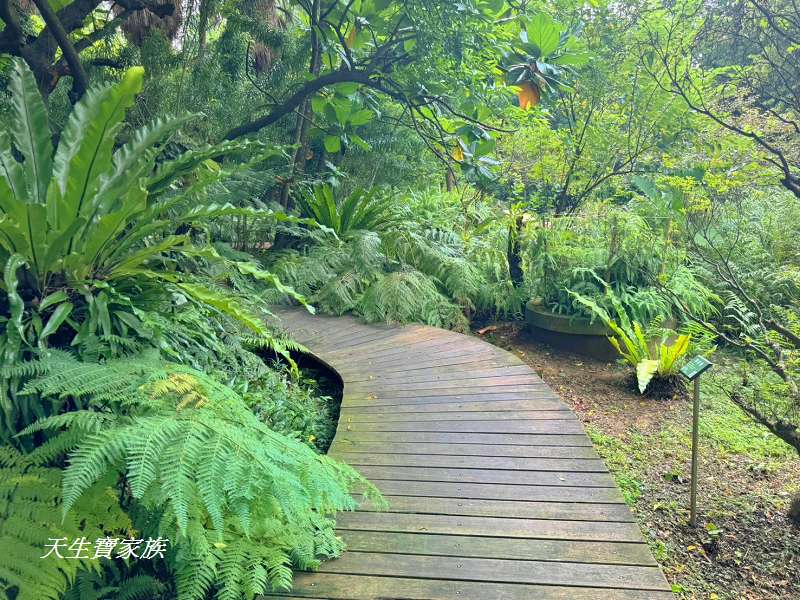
{"points": [[513, 252], [304, 114], [450, 180]]}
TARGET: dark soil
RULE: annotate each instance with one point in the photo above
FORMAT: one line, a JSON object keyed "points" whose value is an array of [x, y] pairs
{"points": [[745, 546]]}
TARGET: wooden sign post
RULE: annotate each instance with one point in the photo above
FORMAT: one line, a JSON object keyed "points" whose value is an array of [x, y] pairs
{"points": [[692, 371]]}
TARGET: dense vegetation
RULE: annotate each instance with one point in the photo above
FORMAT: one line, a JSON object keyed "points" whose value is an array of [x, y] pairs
{"points": [[168, 171]]}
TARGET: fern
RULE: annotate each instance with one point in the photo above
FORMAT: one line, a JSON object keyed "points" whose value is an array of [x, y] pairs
{"points": [[403, 275], [229, 489], [409, 295], [649, 356], [29, 497], [113, 583]]}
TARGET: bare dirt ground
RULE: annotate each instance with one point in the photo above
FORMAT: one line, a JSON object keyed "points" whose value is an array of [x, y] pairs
{"points": [[745, 546]]}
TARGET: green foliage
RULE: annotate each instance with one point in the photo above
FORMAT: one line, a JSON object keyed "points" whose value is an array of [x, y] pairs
{"points": [[230, 490], [88, 233], [359, 211], [127, 232], [547, 53], [648, 356], [29, 495], [413, 268], [602, 246], [114, 584], [293, 408]]}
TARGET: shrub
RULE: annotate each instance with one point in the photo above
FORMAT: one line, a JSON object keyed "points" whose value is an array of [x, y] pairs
{"points": [[650, 357]]}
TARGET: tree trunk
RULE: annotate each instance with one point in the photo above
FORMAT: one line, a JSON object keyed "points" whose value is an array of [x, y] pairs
{"points": [[304, 112], [513, 252], [450, 180], [80, 82]]}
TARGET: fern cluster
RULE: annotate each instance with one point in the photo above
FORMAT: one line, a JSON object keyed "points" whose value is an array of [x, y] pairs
{"points": [[608, 245], [240, 503], [30, 498], [415, 270]]}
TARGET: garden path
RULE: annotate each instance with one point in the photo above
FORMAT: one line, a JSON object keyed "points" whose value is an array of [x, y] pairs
{"points": [[495, 491]]}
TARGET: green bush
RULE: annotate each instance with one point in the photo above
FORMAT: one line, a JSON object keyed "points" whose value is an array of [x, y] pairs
{"points": [[607, 245], [420, 261], [107, 269]]}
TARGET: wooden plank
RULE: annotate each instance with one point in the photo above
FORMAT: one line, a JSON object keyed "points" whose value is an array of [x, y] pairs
{"points": [[498, 426], [373, 345], [337, 341], [448, 375], [443, 363], [334, 586], [331, 344], [479, 387], [548, 478], [407, 361], [493, 491], [422, 355], [491, 526], [532, 406], [497, 570], [611, 553], [394, 353], [360, 459], [428, 367], [432, 384], [518, 439], [565, 511], [342, 445], [422, 339], [374, 400], [406, 416]]}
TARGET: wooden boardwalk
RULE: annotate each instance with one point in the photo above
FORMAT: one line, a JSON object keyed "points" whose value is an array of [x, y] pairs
{"points": [[495, 491]]}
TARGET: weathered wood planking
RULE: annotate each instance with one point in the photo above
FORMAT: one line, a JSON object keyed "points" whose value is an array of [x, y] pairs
{"points": [[495, 491]]}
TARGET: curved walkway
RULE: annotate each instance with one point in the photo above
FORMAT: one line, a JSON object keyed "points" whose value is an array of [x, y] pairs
{"points": [[495, 491]]}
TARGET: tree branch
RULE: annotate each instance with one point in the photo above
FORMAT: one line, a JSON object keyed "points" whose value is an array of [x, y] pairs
{"points": [[79, 77], [296, 99]]}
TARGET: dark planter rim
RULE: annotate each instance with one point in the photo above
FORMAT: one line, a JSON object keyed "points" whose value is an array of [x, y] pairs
{"points": [[542, 318]]}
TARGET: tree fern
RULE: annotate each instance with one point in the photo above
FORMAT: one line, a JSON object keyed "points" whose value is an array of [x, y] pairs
{"points": [[230, 489], [114, 583], [30, 496], [407, 296]]}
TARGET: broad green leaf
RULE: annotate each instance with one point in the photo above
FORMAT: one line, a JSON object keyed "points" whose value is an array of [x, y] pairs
{"points": [[318, 104], [332, 144], [361, 117], [15, 332], [31, 130], [85, 150], [131, 162], [103, 316], [13, 191], [52, 299], [136, 259], [343, 109], [544, 33], [59, 315], [572, 59]]}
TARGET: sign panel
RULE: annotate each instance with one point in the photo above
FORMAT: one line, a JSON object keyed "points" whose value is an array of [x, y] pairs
{"points": [[695, 367]]}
